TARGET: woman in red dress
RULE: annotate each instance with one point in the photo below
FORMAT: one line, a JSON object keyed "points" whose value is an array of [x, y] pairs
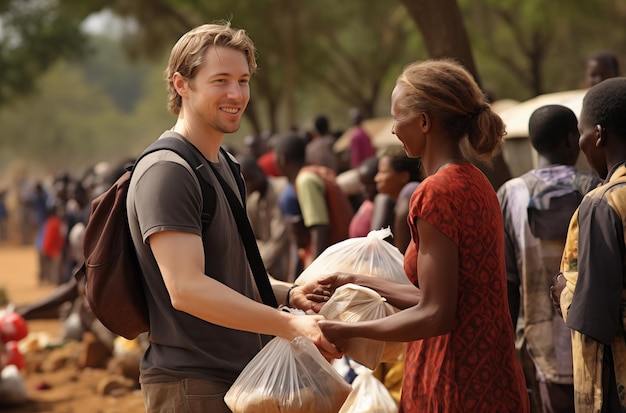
{"points": [[460, 354]]}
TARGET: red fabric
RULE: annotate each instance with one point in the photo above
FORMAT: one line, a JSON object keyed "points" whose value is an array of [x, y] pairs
{"points": [[473, 368], [53, 240], [267, 163]]}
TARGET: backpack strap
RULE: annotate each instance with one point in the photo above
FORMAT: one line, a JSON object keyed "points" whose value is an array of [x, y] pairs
{"points": [[174, 142], [249, 242], [182, 147], [236, 169]]}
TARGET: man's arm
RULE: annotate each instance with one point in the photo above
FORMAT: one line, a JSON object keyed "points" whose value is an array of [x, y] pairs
{"points": [[180, 257]]}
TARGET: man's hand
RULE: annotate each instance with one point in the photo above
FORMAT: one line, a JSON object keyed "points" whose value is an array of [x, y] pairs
{"points": [[556, 288], [310, 296], [307, 326]]}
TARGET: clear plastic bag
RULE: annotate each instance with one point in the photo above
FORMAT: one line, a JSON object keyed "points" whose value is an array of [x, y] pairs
{"points": [[352, 303], [288, 377], [368, 395], [370, 255]]}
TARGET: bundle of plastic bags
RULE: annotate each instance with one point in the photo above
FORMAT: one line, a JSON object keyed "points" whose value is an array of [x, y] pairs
{"points": [[370, 255], [288, 377], [368, 395], [353, 303]]}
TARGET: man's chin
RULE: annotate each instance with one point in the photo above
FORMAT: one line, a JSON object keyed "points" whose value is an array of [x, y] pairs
{"points": [[230, 128]]}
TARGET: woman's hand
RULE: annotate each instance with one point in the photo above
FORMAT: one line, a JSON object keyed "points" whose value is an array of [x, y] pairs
{"points": [[314, 294], [337, 279], [332, 330], [310, 296]]}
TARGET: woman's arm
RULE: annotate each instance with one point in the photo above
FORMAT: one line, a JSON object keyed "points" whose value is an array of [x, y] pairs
{"points": [[435, 312], [400, 296]]}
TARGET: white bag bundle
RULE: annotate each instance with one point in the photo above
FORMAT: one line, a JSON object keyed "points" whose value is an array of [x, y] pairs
{"points": [[288, 377], [352, 303], [368, 395], [370, 255]]}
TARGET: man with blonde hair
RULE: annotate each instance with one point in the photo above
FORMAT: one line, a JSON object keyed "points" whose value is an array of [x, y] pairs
{"points": [[206, 322]]}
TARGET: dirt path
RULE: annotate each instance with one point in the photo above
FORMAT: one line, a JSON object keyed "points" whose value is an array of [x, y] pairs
{"points": [[71, 390], [18, 278]]}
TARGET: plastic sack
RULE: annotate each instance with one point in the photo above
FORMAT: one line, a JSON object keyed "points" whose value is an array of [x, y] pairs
{"points": [[12, 389], [352, 303], [288, 377], [370, 255], [368, 395]]}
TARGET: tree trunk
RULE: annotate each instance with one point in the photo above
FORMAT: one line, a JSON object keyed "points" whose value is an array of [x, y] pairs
{"points": [[442, 27]]}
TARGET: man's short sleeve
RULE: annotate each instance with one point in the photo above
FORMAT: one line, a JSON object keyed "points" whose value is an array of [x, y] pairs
{"points": [[168, 198]]}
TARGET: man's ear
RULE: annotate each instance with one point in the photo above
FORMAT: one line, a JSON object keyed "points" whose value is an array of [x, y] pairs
{"points": [[180, 84], [600, 135]]}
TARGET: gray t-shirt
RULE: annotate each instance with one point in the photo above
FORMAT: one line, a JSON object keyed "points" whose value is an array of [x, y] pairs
{"points": [[165, 195]]}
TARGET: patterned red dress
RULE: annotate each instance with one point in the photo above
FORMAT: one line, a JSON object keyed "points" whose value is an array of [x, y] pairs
{"points": [[473, 368]]}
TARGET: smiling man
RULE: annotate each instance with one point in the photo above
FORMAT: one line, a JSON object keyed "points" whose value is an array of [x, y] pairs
{"points": [[205, 321]]}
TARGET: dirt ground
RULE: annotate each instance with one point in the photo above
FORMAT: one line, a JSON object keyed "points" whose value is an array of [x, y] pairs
{"points": [[70, 389]]}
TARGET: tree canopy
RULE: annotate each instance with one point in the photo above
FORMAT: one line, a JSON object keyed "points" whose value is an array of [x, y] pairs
{"points": [[315, 57]]}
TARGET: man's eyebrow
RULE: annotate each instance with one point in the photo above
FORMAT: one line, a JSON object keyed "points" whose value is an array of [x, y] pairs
{"points": [[227, 74]]}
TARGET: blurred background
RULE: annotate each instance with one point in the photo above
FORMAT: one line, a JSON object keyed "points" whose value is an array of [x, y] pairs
{"points": [[81, 81], [82, 92]]}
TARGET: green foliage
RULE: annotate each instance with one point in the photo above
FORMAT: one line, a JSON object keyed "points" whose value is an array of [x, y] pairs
{"points": [[110, 69], [527, 47], [68, 125], [34, 36], [314, 57]]}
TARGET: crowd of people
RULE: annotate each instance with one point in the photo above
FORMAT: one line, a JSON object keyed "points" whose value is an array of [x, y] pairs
{"points": [[483, 331]]}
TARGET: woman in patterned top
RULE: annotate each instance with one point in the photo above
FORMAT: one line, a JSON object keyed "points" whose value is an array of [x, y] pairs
{"points": [[460, 354]]}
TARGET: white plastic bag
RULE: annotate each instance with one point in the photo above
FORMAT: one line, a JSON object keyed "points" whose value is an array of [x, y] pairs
{"points": [[368, 395], [352, 303], [12, 389], [288, 377], [370, 255]]}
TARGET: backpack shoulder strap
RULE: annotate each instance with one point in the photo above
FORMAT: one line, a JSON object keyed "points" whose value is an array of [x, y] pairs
{"points": [[249, 242], [176, 143], [236, 169]]}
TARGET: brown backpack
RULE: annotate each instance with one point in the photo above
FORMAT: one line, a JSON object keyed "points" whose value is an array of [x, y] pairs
{"points": [[113, 278], [340, 211]]}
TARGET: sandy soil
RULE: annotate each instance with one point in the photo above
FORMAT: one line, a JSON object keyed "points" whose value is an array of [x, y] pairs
{"points": [[71, 389]]}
